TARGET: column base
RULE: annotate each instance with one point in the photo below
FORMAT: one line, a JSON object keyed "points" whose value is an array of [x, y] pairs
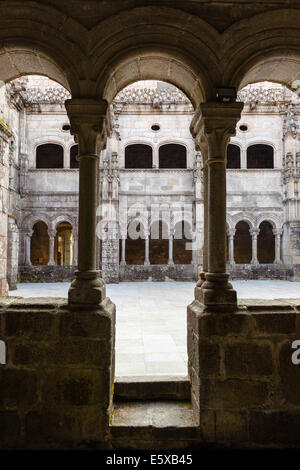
{"points": [[146, 263], [88, 289], [123, 263], [216, 293], [197, 290]]}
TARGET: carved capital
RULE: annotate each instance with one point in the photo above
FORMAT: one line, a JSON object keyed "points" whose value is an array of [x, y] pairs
{"points": [[213, 125], [89, 120]]}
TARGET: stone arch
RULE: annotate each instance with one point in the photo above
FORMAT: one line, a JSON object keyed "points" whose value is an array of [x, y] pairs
{"points": [[182, 252], [244, 216], [252, 159], [40, 244], [135, 247], [159, 241], [29, 221], [273, 219], [233, 159], [54, 222], [266, 243], [41, 39], [264, 47], [242, 242], [191, 65]]}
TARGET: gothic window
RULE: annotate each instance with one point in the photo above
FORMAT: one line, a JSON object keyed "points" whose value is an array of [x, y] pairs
{"points": [[73, 154], [138, 156], [265, 243], [39, 246], [260, 156], [242, 243], [233, 156], [49, 156], [172, 156]]}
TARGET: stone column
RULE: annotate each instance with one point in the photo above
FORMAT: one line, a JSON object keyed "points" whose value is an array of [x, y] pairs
{"points": [[231, 233], [254, 234], [170, 260], [277, 232], [204, 152], [123, 256], [27, 239], [89, 125], [75, 249], [215, 123], [147, 262], [52, 235]]}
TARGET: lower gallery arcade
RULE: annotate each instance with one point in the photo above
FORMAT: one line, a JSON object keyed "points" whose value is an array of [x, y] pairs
{"points": [[106, 178]]}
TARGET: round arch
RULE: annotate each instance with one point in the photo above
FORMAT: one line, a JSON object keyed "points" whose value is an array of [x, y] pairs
{"points": [[161, 54]]}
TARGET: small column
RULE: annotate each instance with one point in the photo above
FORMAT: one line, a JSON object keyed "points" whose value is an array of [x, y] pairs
{"points": [[147, 262], [75, 249], [216, 122], [88, 119], [277, 232], [123, 256], [27, 237], [254, 234], [170, 260], [52, 235], [231, 233]]}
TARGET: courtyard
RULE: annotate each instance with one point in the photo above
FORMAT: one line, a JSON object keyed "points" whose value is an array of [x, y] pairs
{"points": [[151, 319]]}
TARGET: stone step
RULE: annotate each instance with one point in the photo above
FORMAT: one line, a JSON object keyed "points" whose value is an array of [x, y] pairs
{"points": [[154, 425], [152, 388]]}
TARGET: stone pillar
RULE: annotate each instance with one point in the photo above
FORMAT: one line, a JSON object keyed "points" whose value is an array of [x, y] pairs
{"points": [[123, 258], [147, 262], [27, 240], [75, 249], [231, 233], [170, 260], [215, 123], [89, 125], [277, 232], [254, 233], [204, 152], [52, 235]]}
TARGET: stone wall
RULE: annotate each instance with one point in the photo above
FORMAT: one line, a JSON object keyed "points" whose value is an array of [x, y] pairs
{"points": [[56, 385], [46, 273], [261, 271], [244, 384], [158, 272]]}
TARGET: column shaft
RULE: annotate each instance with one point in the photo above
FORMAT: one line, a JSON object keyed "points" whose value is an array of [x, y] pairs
{"points": [[123, 256], [170, 260], [254, 234], [147, 262]]}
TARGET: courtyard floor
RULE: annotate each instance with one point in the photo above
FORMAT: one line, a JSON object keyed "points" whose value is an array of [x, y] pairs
{"points": [[151, 319]]}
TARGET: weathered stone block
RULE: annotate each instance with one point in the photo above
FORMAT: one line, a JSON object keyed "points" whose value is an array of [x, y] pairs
{"points": [[289, 374], [232, 394], [214, 324], [95, 324], [32, 324], [231, 426], [18, 388], [275, 323], [77, 387], [209, 359], [248, 359], [278, 427], [10, 428]]}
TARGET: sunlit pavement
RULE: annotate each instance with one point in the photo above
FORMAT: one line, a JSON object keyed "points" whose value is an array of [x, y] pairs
{"points": [[151, 319]]}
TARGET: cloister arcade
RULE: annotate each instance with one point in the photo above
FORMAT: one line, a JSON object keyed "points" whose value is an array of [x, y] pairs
{"points": [[240, 374]]}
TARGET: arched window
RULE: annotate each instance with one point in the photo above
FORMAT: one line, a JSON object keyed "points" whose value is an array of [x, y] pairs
{"points": [[260, 156], [172, 156], [242, 243], [49, 156], [233, 156], [159, 243], [181, 241], [39, 246], [135, 243], [63, 244], [138, 156], [265, 243], [73, 154]]}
